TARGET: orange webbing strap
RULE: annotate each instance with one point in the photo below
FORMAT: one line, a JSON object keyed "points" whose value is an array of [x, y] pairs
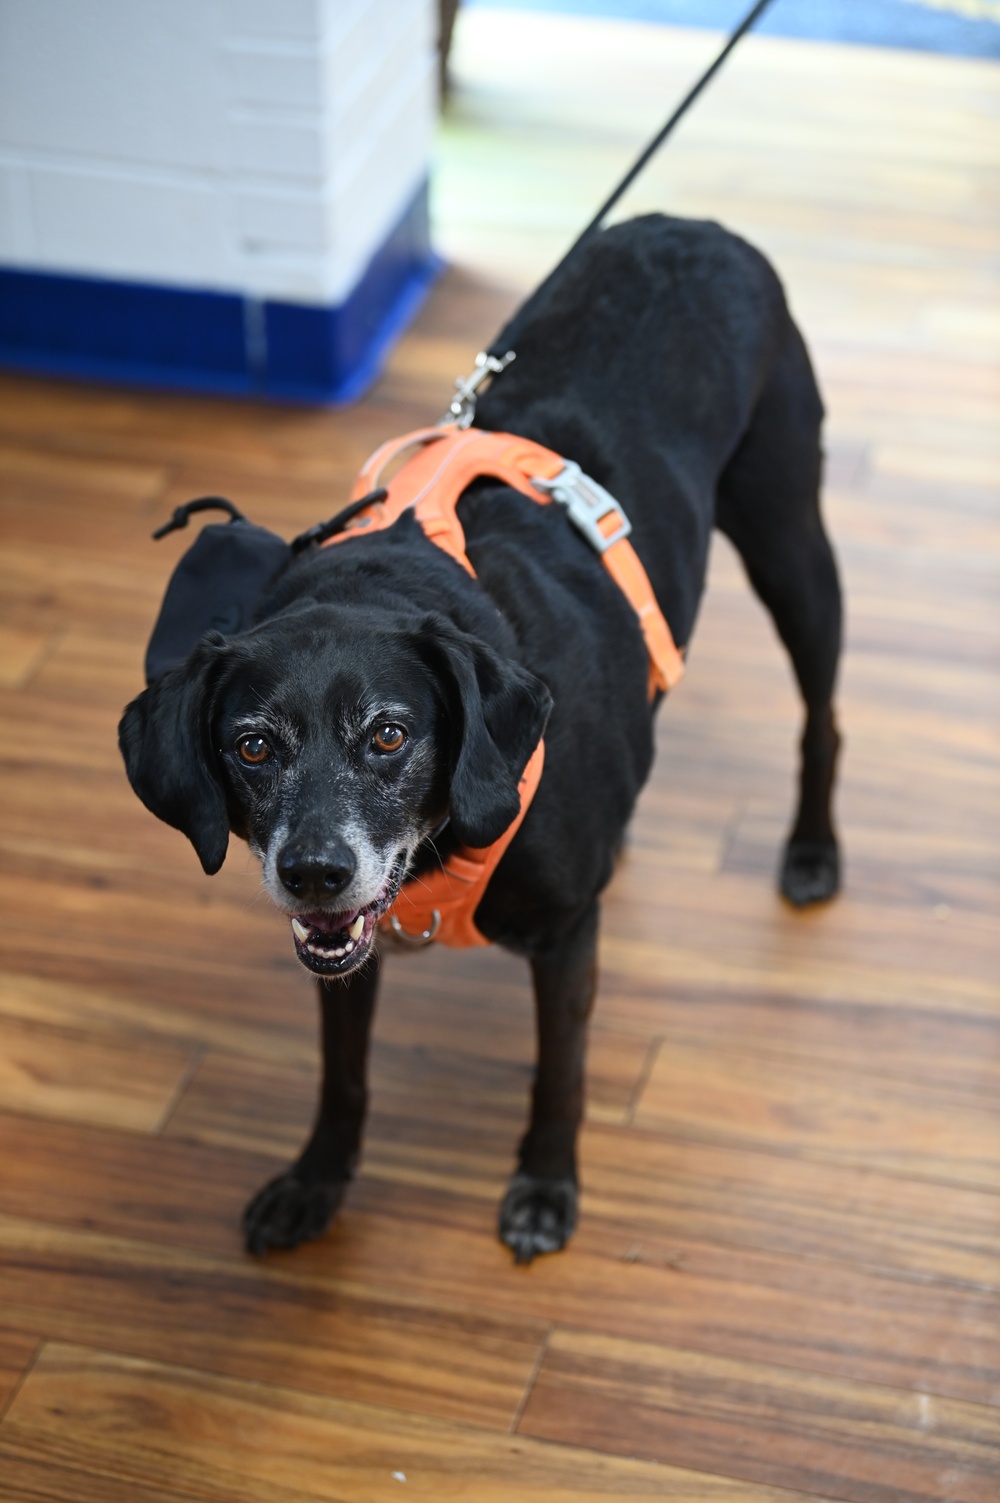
{"points": [[666, 665], [433, 479], [442, 904], [446, 463]]}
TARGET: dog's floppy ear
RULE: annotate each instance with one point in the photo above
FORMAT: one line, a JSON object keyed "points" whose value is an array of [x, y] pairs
{"points": [[164, 737], [497, 711]]}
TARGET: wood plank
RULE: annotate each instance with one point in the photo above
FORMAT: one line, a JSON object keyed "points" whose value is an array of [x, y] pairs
{"points": [[870, 1115], [110, 915], [44, 1481], [846, 1321], [744, 1198], [155, 1424], [877, 955], [89, 500], [925, 461], [21, 653], [159, 1009], [737, 1198], [412, 1075], [725, 1191], [772, 1425], [922, 870], [92, 667], [84, 1075], [269, 1108], [244, 1318], [758, 1200], [944, 1049], [900, 953], [700, 1097], [848, 1310], [18, 1350], [57, 589], [142, 428], [163, 1192]]}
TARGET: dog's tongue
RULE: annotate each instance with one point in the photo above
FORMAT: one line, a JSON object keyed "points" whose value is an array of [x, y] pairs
{"points": [[328, 923], [328, 928]]}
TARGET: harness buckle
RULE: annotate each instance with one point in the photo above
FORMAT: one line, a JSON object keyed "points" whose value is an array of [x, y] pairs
{"points": [[463, 403], [588, 505]]}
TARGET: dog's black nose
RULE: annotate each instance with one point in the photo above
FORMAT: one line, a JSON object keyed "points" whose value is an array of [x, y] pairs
{"points": [[316, 876]]}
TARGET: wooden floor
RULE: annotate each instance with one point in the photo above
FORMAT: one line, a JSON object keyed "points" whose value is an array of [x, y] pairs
{"points": [[786, 1281]]}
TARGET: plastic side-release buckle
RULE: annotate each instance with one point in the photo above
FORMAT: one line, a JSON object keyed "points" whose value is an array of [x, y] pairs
{"points": [[592, 509]]}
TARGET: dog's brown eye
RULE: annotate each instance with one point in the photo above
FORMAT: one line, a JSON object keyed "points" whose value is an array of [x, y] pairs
{"points": [[389, 738], [253, 749]]}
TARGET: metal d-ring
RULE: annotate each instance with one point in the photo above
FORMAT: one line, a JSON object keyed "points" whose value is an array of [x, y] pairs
{"points": [[424, 938]]}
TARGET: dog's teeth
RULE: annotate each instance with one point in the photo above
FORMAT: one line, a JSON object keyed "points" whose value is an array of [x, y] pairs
{"points": [[300, 930], [357, 928]]}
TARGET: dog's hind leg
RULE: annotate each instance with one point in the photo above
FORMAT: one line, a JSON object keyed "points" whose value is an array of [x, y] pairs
{"points": [[538, 1212], [768, 505], [300, 1203]]}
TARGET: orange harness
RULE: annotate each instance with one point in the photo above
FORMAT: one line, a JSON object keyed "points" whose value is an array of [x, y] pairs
{"points": [[442, 905]]}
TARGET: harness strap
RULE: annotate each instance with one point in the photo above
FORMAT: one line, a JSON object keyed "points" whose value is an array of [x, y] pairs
{"points": [[442, 905], [447, 461]]}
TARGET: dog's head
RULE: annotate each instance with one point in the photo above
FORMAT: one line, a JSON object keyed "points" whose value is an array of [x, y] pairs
{"points": [[335, 742]]}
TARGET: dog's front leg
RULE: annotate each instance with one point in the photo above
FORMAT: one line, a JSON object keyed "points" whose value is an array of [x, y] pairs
{"points": [[300, 1203], [538, 1213]]}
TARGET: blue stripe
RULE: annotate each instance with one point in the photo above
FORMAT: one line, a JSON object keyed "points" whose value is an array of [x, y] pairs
{"points": [[219, 341], [339, 350], [874, 23]]}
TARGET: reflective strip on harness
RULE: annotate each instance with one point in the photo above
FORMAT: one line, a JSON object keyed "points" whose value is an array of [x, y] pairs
{"points": [[442, 905]]}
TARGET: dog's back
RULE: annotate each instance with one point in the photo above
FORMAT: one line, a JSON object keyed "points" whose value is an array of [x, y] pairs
{"points": [[644, 361]]}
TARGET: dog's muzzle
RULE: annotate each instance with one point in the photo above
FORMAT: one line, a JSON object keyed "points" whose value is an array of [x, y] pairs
{"points": [[334, 944]]}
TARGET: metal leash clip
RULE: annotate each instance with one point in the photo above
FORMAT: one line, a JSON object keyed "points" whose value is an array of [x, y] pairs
{"points": [[463, 403], [588, 505]]}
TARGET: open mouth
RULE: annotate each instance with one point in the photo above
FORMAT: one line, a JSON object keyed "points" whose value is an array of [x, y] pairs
{"points": [[331, 944]]}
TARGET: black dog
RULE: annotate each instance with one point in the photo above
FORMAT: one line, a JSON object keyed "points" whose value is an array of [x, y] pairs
{"points": [[383, 709]]}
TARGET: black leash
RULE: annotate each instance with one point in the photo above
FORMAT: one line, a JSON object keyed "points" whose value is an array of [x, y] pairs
{"points": [[748, 21], [492, 361]]}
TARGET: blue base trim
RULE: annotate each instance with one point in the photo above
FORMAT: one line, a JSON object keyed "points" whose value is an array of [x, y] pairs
{"points": [[219, 342]]}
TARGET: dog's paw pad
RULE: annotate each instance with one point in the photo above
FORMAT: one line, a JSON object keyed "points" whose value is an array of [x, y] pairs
{"points": [[289, 1211], [810, 872], [537, 1215]]}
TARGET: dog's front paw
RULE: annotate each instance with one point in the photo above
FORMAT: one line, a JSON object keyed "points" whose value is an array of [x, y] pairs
{"points": [[290, 1210], [537, 1215], [810, 872]]}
